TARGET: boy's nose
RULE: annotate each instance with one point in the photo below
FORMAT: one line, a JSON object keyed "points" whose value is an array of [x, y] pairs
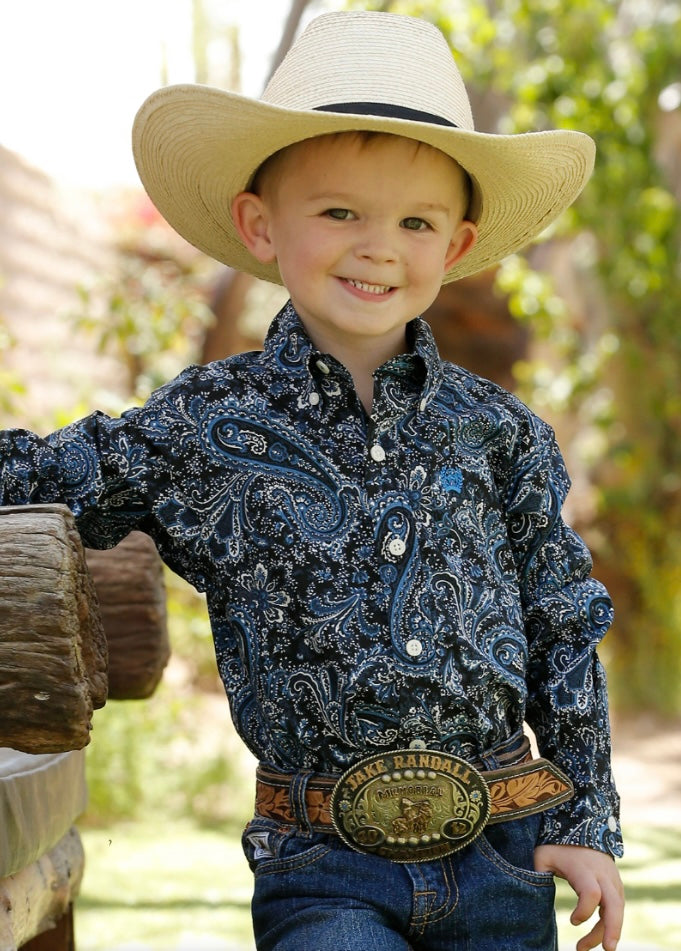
{"points": [[377, 245]]}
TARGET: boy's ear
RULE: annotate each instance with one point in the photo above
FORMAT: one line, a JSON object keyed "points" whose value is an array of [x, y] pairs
{"points": [[251, 220], [462, 242]]}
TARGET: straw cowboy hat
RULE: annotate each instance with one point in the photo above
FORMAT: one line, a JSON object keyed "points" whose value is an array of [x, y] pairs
{"points": [[197, 147]]}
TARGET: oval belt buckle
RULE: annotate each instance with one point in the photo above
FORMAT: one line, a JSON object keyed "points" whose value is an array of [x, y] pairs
{"points": [[410, 805]]}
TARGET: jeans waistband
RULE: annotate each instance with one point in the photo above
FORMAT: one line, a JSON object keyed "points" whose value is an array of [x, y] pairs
{"points": [[505, 752]]}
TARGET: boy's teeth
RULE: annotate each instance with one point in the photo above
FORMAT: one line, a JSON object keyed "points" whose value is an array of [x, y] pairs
{"points": [[369, 288]]}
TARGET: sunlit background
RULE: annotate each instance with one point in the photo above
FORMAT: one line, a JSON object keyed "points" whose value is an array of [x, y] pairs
{"points": [[74, 72]]}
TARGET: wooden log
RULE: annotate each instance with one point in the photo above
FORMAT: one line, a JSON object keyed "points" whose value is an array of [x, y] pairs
{"points": [[53, 651], [35, 899], [132, 601], [59, 938]]}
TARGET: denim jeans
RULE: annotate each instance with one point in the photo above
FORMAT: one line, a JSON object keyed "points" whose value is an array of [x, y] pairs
{"points": [[313, 893]]}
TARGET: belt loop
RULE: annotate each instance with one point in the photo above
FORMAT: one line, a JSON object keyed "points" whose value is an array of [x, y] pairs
{"points": [[488, 760], [506, 752], [297, 793]]}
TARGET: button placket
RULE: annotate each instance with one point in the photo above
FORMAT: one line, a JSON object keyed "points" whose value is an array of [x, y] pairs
{"points": [[325, 380]]}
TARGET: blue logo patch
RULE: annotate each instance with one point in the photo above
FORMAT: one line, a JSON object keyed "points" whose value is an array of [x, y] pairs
{"points": [[451, 479]]}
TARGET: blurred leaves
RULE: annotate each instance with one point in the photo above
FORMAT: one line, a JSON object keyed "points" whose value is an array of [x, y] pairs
{"points": [[611, 69], [11, 387], [151, 311], [163, 753]]}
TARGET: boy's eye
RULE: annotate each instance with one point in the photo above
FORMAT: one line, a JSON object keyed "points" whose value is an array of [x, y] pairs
{"points": [[339, 214], [415, 224]]}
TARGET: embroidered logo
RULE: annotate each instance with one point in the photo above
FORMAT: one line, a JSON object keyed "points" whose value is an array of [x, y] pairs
{"points": [[451, 479]]}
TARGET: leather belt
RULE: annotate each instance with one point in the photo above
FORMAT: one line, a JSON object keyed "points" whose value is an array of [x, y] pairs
{"points": [[411, 805]]}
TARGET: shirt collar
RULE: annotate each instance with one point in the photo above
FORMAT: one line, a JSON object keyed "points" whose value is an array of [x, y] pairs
{"points": [[424, 347], [287, 342]]}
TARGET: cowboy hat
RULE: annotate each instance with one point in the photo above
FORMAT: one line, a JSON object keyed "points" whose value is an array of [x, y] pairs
{"points": [[196, 147]]}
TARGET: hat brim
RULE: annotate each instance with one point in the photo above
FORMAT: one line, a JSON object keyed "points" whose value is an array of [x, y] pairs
{"points": [[196, 147]]}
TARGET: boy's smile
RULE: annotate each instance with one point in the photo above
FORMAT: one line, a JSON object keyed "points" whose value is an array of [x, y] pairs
{"points": [[363, 232]]}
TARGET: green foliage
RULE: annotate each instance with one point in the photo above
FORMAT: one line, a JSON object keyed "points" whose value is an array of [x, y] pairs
{"points": [[600, 67], [160, 755], [172, 754], [150, 311], [609, 89], [11, 388], [169, 755], [116, 763], [190, 629]]}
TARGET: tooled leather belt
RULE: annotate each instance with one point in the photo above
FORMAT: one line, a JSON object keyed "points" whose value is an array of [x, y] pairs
{"points": [[411, 805]]}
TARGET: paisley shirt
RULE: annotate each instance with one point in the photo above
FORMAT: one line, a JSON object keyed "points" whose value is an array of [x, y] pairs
{"points": [[371, 580]]}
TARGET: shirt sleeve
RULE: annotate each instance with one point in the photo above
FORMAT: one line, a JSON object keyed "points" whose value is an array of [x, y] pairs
{"points": [[93, 466], [115, 474], [567, 614]]}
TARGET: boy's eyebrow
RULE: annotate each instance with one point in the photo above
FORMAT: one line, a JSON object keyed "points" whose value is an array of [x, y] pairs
{"points": [[433, 206], [331, 193], [345, 198]]}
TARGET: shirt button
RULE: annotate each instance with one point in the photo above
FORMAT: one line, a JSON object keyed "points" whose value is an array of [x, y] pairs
{"points": [[396, 547], [377, 453], [314, 399], [612, 823], [414, 647], [417, 745], [323, 367]]}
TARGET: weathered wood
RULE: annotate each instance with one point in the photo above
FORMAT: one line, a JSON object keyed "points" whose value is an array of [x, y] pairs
{"points": [[59, 938], [36, 898], [132, 601], [53, 653]]}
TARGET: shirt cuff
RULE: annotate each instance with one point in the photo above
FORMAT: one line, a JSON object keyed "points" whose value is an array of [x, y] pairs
{"points": [[589, 823]]}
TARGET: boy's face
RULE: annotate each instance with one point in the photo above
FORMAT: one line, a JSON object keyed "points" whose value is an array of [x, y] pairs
{"points": [[363, 233]]}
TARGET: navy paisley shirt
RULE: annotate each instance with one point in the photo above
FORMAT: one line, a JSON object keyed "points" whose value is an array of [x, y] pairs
{"points": [[370, 580]]}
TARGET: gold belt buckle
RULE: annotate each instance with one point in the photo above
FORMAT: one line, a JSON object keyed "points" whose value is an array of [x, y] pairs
{"points": [[410, 805]]}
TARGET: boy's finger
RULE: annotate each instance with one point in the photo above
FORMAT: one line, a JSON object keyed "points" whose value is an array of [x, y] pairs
{"points": [[592, 939], [608, 929], [612, 915], [597, 937], [589, 900]]}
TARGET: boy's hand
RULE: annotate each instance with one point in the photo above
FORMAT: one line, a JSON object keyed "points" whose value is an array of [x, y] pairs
{"points": [[594, 877]]}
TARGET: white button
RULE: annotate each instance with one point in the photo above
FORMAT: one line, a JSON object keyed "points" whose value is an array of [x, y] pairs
{"points": [[417, 745], [612, 823], [377, 453], [323, 367], [414, 647], [423, 404], [396, 546], [314, 399]]}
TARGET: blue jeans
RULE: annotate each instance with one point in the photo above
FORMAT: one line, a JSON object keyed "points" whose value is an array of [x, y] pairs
{"points": [[313, 893]]}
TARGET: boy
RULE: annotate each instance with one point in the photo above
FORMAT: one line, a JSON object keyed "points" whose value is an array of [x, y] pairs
{"points": [[391, 587]]}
